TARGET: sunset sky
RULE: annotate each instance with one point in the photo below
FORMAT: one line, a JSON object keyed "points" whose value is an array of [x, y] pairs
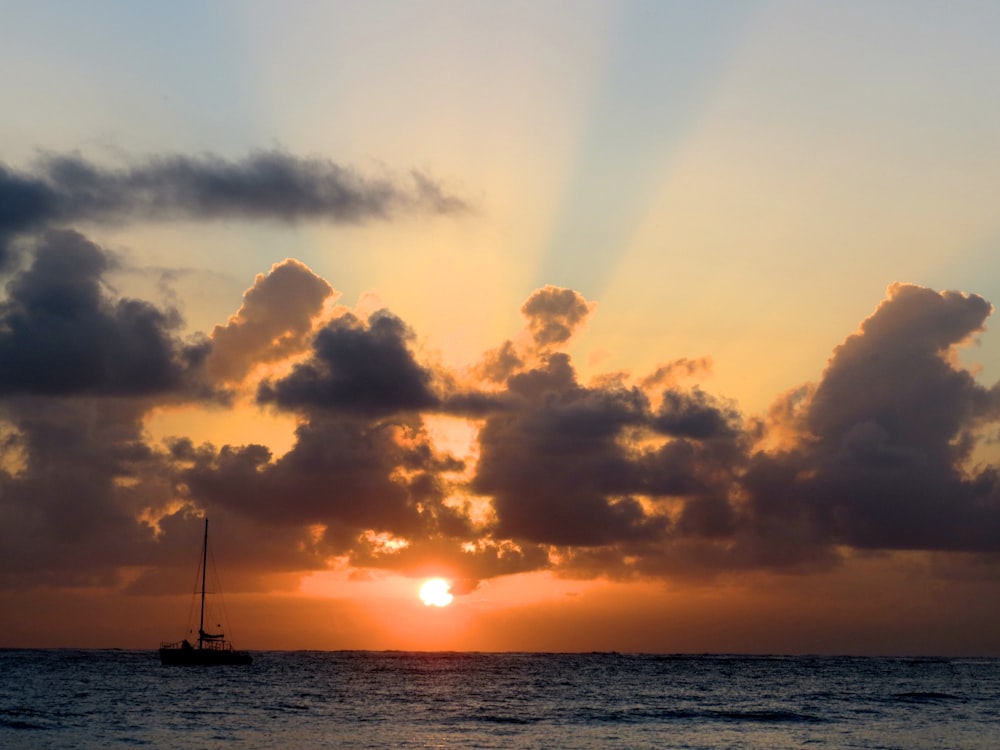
{"points": [[650, 326]]}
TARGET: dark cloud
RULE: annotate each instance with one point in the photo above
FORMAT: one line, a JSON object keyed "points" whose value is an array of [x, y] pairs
{"points": [[25, 202], [347, 476], [356, 367], [554, 465], [695, 414], [597, 466], [897, 373], [887, 437], [700, 477], [62, 333], [80, 483], [74, 471], [266, 185], [875, 456]]}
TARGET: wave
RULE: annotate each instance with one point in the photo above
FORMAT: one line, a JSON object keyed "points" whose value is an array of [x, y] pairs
{"points": [[627, 716], [769, 716], [920, 696], [18, 724], [504, 719]]}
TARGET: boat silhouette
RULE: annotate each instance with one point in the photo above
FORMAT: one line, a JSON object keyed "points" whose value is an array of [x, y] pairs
{"points": [[211, 649]]}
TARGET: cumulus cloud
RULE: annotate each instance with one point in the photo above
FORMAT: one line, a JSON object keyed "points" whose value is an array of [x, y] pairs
{"points": [[356, 366], [554, 314], [349, 477], [554, 466], [83, 495], [889, 430], [620, 477], [274, 321], [266, 185], [62, 333], [898, 372], [874, 456]]}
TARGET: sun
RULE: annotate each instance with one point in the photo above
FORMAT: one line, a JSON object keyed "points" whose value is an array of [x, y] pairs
{"points": [[435, 592]]}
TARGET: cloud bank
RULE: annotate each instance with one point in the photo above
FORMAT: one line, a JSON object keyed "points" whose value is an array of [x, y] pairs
{"points": [[632, 475]]}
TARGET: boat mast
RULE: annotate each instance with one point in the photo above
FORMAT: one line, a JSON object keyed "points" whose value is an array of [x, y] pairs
{"points": [[204, 565]]}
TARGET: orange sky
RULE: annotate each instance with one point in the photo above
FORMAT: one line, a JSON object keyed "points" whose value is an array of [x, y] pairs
{"points": [[861, 612]]}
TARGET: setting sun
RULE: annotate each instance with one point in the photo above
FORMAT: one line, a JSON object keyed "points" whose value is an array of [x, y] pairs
{"points": [[435, 592]]}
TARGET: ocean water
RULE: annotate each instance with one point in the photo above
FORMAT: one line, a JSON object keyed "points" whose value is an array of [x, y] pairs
{"points": [[111, 699]]}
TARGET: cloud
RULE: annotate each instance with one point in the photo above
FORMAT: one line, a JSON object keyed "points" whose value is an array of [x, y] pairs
{"points": [[554, 314], [899, 373], [619, 477], [80, 366], [888, 434], [500, 363], [73, 471], [875, 457], [266, 185], [347, 477], [623, 488], [274, 321], [554, 464], [362, 367], [466, 565], [25, 202], [696, 414], [671, 373], [62, 333]]}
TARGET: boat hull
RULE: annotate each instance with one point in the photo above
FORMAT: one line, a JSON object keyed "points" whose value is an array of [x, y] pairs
{"points": [[203, 657]]}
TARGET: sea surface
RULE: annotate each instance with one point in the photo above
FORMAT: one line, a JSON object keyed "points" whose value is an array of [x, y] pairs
{"points": [[351, 699]]}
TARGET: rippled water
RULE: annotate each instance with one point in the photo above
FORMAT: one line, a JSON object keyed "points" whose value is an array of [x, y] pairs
{"points": [[82, 699]]}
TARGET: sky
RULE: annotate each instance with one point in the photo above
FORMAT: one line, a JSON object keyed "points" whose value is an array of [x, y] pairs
{"points": [[649, 326]]}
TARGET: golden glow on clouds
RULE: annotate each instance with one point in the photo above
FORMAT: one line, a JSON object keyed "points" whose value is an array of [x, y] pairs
{"points": [[384, 543]]}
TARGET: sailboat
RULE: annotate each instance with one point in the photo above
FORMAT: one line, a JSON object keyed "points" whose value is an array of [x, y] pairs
{"points": [[212, 648]]}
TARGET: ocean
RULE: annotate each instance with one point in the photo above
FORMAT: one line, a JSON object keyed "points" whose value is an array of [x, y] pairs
{"points": [[114, 699]]}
